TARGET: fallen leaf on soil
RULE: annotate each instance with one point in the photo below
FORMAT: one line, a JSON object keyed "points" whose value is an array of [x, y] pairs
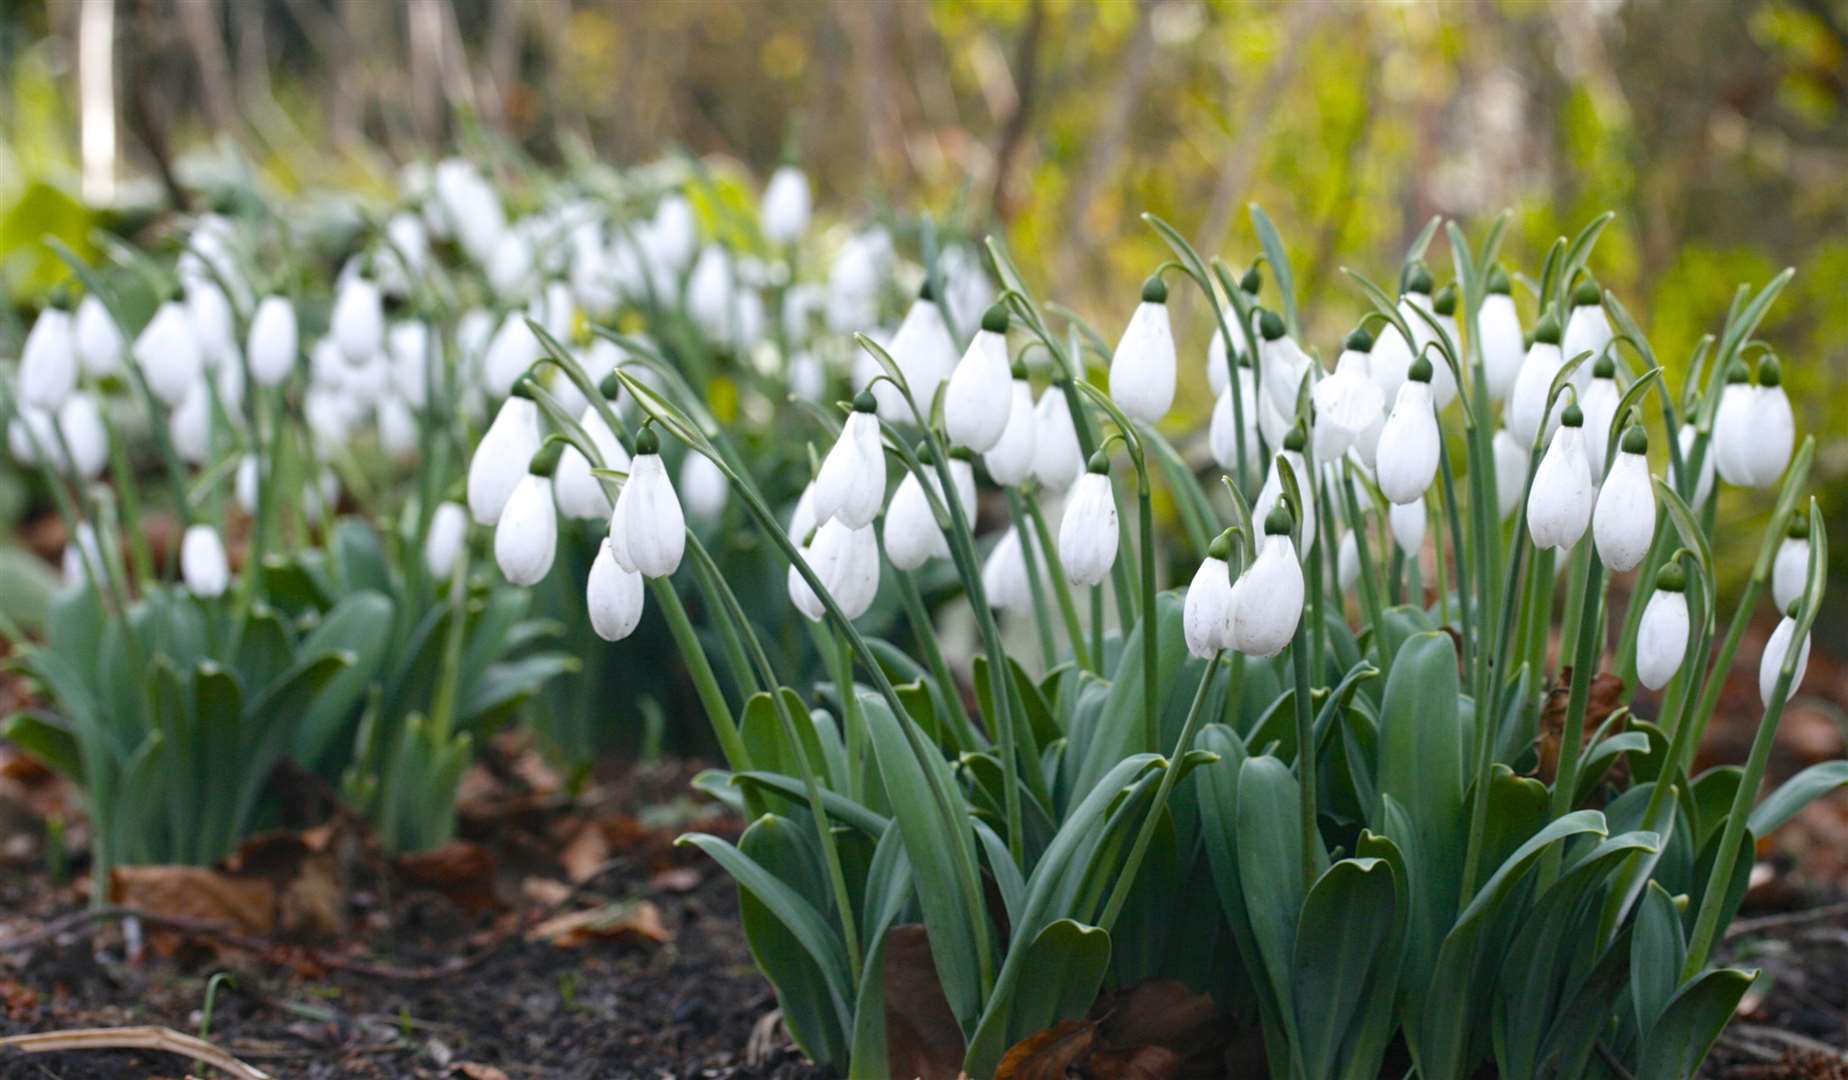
{"points": [[585, 854], [629, 920], [1050, 1055], [545, 891], [1154, 1030], [1606, 695], [923, 1038], [677, 879], [459, 870], [303, 873], [475, 1070], [21, 1001], [199, 893]]}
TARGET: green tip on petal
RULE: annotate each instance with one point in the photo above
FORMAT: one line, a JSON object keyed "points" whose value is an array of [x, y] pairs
{"points": [[994, 320], [522, 388], [60, 299], [1418, 279], [1546, 331], [1359, 341], [1790, 612], [545, 459], [1420, 371], [1798, 529], [1572, 416], [1603, 367], [610, 387], [1671, 578], [1270, 324], [1445, 302], [646, 441], [1499, 285], [1278, 522], [1154, 290], [1295, 440], [1587, 294], [1252, 283], [1738, 373], [1770, 372], [1221, 547], [925, 292], [865, 402], [1636, 440], [1099, 463], [1018, 369]]}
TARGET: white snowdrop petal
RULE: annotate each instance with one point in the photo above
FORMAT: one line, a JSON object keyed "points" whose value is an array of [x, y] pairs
{"points": [[1623, 525], [203, 565], [444, 542], [1772, 663], [501, 458], [1142, 369], [613, 596], [1088, 533], [526, 537], [1662, 638]]}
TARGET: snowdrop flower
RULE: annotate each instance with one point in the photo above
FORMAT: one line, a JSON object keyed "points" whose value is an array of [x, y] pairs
{"points": [[1775, 651], [510, 266], [1392, 354], [579, 492], [675, 232], [1347, 403], [29, 432], [912, 535], [48, 362], [925, 355], [1010, 461], [1088, 531], [1510, 471], [846, 560], [358, 320], [406, 250], [1208, 614], [1142, 368], [1588, 329], [802, 518], [1559, 503], [1408, 449], [1624, 522], [1224, 432], [203, 565], [1444, 311], [1500, 327], [1218, 373], [806, 378], [501, 457], [212, 321], [526, 536], [648, 530], [1753, 438], [97, 339], [976, 404], [1600, 407], [851, 483], [1790, 571], [786, 206], [1407, 522], [801, 596], [704, 488], [273, 341], [712, 293], [190, 426], [443, 544], [398, 430], [80, 554], [613, 596], [853, 283], [1285, 364], [1347, 562], [1703, 484], [1057, 457], [511, 351], [471, 207], [245, 483], [1267, 601], [1004, 575], [962, 478], [1527, 402], [85, 435], [1662, 637], [1271, 493], [168, 354]]}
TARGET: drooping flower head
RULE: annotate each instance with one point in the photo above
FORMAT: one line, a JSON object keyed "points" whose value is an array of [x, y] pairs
{"points": [[976, 405], [648, 530], [1662, 637], [1623, 525], [1208, 614], [1142, 370], [1499, 324], [1560, 500], [1088, 533], [851, 483], [1267, 601], [526, 536], [1406, 461]]}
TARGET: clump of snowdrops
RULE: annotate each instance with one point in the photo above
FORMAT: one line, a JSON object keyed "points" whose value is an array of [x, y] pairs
{"points": [[1340, 780]]}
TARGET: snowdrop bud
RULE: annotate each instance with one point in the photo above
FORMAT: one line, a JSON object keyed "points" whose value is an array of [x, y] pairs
{"points": [[29, 432], [962, 478], [976, 405], [1268, 598], [1790, 571], [443, 544], [1285, 364], [1773, 427], [1600, 407], [1347, 403], [648, 530], [704, 488], [1406, 461], [98, 340], [511, 351], [786, 206], [851, 483], [1088, 531], [1057, 457], [712, 290], [1703, 484], [1443, 380], [1624, 523], [912, 536], [85, 435], [1500, 327], [676, 232], [1662, 638], [203, 565], [925, 355], [1347, 562], [1207, 615], [212, 321], [1224, 434], [1588, 329], [273, 341], [1010, 461], [1142, 370], [846, 560], [1559, 503], [358, 320], [168, 354], [500, 459], [1510, 471], [526, 537], [1004, 575], [613, 596], [190, 426], [510, 265], [48, 362], [1407, 521], [1527, 403], [580, 493], [1775, 651]]}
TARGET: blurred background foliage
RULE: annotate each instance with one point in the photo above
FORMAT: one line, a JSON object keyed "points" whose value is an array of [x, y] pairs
{"points": [[1716, 131]]}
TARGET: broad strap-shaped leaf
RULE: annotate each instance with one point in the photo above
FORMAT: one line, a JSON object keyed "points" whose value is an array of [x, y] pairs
{"points": [[1657, 951], [1270, 866], [1796, 793], [1343, 935], [1680, 1039]]}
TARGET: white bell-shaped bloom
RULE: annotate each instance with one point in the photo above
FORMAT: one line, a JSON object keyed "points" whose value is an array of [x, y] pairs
{"points": [[853, 282], [1703, 484], [1623, 525], [246, 482], [30, 436], [1347, 562], [1057, 457], [1588, 328], [1510, 471], [579, 492], [511, 351], [48, 362], [1284, 366], [1443, 311], [846, 560], [1347, 403], [648, 530], [613, 596], [925, 355], [1662, 637], [1088, 532], [1790, 570], [86, 436], [442, 546], [189, 427], [1004, 575], [976, 403], [675, 232], [358, 320], [806, 377], [1499, 325], [1268, 597], [526, 537], [1527, 402], [1010, 461], [168, 354], [912, 536], [1208, 613], [704, 490], [510, 266], [213, 323], [1406, 460], [786, 206], [801, 594], [406, 251], [712, 293], [98, 340], [274, 341], [501, 458], [802, 520], [1224, 432], [1142, 370], [851, 483], [962, 478], [1600, 408], [1773, 428], [1271, 494], [1772, 662], [1407, 523], [398, 430], [1559, 503], [203, 565]]}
